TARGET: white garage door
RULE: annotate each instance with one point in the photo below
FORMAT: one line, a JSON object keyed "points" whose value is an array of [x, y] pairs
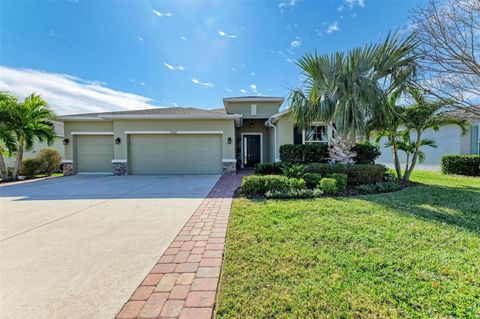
{"points": [[175, 154], [94, 153]]}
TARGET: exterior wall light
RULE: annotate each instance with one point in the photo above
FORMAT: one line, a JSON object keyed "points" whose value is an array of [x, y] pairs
{"points": [[66, 141], [252, 125], [117, 140], [229, 140]]}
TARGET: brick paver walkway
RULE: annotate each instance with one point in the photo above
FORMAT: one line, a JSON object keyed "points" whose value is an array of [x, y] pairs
{"points": [[183, 284]]}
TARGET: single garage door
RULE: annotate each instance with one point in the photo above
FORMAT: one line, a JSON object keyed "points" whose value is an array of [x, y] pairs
{"points": [[175, 154], [94, 153]]}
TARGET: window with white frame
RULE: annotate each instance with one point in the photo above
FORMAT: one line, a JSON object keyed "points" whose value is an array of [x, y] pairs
{"points": [[253, 109], [316, 134]]}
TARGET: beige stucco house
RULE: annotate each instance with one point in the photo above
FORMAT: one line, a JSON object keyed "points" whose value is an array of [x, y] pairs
{"points": [[247, 131]]}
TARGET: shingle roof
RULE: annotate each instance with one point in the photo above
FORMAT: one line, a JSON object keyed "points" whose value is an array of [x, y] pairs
{"points": [[158, 111]]}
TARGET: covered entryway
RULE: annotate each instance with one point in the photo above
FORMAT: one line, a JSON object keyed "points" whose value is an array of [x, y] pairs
{"points": [[157, 154], [94, 153]]}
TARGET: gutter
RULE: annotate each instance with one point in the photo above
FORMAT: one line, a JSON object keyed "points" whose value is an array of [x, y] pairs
{"points": [[270, 124]]}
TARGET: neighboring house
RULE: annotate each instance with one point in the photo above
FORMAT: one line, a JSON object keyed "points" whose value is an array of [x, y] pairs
{"points": [[449, 140], [37, 146], [177, 140]]}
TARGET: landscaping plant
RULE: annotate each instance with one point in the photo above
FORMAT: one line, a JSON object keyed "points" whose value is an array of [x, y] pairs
{"points": [[293, 171], [268, 169], [366, 153], [356, 174], [328, 185], [341, 181], [461, 165], [312, 180], [30, 167], [49, 160]]}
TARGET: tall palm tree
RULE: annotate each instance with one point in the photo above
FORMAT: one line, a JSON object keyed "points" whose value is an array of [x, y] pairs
{"points": [[8, 143], [351, 89], [32, 120]]}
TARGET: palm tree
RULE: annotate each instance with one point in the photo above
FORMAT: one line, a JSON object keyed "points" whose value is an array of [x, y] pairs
{"points": [[31, 121], [423, 115], [8, 143], [351, 89]]}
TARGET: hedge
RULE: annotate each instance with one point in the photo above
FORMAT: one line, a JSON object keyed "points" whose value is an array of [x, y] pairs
{"points": [[304, 153], [357, 174], [30, 167], [268, 169], [259, 185], [461, 165], [366, 153]]}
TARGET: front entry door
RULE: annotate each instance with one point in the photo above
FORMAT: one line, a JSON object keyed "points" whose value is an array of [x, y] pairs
{"points": [[251, 150]]}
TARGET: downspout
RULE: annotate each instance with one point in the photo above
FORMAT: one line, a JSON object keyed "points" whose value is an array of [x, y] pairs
{"points": [[270, 124]]}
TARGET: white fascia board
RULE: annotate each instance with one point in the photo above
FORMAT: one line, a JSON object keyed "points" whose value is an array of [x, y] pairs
{"points": [[172, 117], [91, 133], [253, 99], [79, 118]]}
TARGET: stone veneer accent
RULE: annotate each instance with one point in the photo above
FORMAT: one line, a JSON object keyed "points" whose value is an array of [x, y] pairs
{"points": [[68, 168], [229, 168], [120, 167]]}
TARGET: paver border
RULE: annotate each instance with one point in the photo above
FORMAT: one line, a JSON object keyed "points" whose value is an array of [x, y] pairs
{"points": [[184, 282]]}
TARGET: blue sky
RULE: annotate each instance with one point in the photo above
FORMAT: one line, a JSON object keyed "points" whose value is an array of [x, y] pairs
{"points": [[105, 55]]}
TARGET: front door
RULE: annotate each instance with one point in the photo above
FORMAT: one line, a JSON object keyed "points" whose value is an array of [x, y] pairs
{"points": [[251, 150]]}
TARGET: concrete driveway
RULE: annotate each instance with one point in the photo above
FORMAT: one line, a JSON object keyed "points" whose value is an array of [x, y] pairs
{"points": [[77, 247]]}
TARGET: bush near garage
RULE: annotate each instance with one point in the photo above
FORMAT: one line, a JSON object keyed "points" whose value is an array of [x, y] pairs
{"points": [[328, 185], [468, 165], [49, 160], [357, 174], [30, 167], [304, 153], [367, 153]]}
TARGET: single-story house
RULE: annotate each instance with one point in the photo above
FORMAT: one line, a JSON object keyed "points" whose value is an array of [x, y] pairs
{"points": [[38, 146], [449, 140], [178, 140]]}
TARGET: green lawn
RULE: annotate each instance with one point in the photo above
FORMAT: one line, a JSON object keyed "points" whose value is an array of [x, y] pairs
{"points": [[409, 254]]}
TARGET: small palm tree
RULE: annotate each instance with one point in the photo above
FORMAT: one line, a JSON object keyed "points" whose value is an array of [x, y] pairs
{"points": [[8, 143], [30, 121]]}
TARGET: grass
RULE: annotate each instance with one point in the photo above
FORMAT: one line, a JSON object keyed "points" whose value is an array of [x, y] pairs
{"points": [[409, 254]]}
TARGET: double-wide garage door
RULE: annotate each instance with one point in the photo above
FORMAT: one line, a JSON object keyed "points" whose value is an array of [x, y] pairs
{"points": [[175, 154], [94, 153]]}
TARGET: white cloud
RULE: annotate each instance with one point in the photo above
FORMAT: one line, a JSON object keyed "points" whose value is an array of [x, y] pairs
{"points": [[252, 73], [174, 104], [243, 91], [333, 27], [341, 8], [204, 84], [174, 68], [162, 14], [139, 38], [228, 90], [68, 94], [352, 3], [52, 33], [296, 43], [288, 4], [225, 35], [253, 87], [183, 38]]}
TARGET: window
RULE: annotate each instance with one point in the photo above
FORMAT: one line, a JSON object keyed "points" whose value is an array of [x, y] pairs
{"points": [[316, 134], [253, 109]]}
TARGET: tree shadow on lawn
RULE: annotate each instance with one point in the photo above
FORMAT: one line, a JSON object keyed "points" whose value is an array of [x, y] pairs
{"points": [[458, 206]]}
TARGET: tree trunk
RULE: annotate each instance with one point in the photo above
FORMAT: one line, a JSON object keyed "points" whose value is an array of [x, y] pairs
{"points": [[409, 171], [19, 159], [396, 161], [3, 169]]}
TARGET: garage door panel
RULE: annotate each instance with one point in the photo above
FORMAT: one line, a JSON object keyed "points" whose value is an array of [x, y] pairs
{"points": [[94, 154], [175, 154]]}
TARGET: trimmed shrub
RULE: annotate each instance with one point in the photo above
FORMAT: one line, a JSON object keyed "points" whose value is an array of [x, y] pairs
{"points": [[461, 165], [304, 153], [49, 160], [312, 180], [268, 169], [304, 193], [382, 187], [341, 181], [293, 171], [328, 185], [30, 167], [366, 153], [356, 174], [261, 184]]}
